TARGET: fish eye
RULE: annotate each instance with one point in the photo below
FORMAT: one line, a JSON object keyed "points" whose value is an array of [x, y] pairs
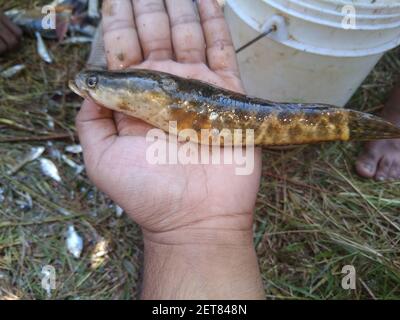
{"points": [[92, 81]]}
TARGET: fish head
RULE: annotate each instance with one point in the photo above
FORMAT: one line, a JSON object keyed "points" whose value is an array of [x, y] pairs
{"points": [[100, 86], [86, 84], [118, 90]]}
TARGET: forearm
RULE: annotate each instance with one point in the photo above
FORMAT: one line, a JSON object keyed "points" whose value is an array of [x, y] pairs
{"points": [[201, 271]]}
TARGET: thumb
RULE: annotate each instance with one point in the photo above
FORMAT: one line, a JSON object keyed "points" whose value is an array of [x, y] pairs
{"points": [[96, 130]]}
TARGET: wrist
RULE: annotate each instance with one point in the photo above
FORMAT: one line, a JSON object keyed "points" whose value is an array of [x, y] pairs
{"points": [[218, 266], [199, 236], [216, 229]]}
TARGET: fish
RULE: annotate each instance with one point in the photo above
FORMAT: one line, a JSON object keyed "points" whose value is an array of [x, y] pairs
{"points": [[160, 98], [42, 49], [33, 154], [74, 242], [73, 17], [30, 21], [118, 211], [74, 148], [77, 40], [78, 168], [12, 71], [49, 169], [93, 9]]}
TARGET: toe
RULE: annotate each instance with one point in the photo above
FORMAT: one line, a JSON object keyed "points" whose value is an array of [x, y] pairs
{"points": [[394, 173], [383, 171], [366, 165]]}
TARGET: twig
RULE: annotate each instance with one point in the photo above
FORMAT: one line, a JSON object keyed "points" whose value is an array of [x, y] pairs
{"points": [[364, 197], [368, 289], [58, 136], [300, 184], [4, 224], [15, 125]]}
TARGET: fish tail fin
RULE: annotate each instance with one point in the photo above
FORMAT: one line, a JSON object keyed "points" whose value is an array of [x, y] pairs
{"points": [[365, 127]]}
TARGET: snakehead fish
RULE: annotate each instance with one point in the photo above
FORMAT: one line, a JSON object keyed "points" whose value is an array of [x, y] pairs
{"points": [[159, 98]]}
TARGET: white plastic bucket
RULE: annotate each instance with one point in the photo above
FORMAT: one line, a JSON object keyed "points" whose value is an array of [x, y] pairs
{"points": [[311, 57]]}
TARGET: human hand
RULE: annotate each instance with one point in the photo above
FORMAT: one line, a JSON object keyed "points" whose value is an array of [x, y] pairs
{"points": [[174, 204], [196, 219], [10, 34]]}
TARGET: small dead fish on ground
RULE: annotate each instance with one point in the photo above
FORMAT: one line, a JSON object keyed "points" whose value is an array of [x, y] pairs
{"points": [[72, 17], [30, 21], [12, 71], [83, 30], [26, 202], [64, 212], [100, 253], [75, 148], [42, 49], [77, 40], [93, 9], [49, 169], [159, 98], [2, 197], [74, 242], [34, 154], [50, 122], [78, 168], [118, 211]]}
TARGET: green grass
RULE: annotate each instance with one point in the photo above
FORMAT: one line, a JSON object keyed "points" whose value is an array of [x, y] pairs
{"points": [[314, 214]]}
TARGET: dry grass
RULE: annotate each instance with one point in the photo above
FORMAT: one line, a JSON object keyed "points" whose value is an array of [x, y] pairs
{"points": [[314, 214]]}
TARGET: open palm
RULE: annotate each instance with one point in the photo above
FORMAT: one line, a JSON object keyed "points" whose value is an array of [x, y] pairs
{"points": [[173, 203]]}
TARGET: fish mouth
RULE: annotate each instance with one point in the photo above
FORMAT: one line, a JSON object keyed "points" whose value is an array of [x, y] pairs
{"points": [[72, 85], [80, 92]]}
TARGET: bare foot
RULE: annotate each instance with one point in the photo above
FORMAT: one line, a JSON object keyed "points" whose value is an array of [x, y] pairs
{"points": [[9, 34], [381, 159]]}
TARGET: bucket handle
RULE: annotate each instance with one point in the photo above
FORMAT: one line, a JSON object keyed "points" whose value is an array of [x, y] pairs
{"points": [[278, 24]]}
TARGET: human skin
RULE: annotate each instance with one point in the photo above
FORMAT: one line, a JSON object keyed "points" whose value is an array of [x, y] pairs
{"points": [[196, 219], [381, 159], [10, 34]]}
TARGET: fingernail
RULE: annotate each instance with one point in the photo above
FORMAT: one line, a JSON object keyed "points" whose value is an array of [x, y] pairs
{"points": [[380, 178]]}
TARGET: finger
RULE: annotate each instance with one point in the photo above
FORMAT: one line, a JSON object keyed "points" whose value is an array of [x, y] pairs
{"points": [[129, 126], [187, 34], [7, 36], [96, 129], [11, 26], [220, 51], [197, 71], [120, 36], [153, 29], [3, 46]]}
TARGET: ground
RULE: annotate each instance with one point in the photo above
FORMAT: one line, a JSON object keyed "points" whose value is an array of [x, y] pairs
{"points": [[314, 214]]}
